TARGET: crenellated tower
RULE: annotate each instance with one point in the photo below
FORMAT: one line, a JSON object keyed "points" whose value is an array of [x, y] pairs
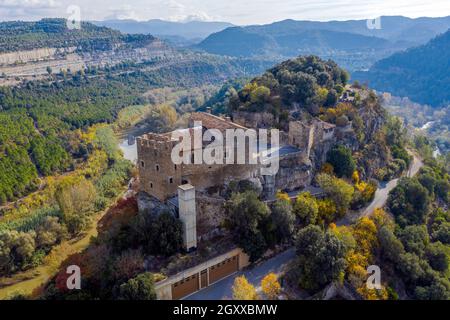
{"points": [[159, 176]]}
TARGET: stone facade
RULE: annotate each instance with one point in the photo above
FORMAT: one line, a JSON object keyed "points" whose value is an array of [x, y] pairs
{"points": [[306, 136], [160, 177], [202, 210]]}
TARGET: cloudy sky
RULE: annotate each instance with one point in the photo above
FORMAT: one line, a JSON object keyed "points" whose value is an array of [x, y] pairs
{"points": [[241, 12]]}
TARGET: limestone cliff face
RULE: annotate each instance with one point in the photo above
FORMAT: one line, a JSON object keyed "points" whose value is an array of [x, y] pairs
{"points": [[295, 173], [21, 57], [156, 49], [35, 62]]}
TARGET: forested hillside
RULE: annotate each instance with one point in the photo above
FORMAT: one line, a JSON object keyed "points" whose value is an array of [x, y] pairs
{"points": [[422, 73], [37, 119], [307, 81], [20, 35]]}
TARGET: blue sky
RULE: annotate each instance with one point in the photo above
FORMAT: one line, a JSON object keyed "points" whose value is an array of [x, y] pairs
{"points": [[241, 12]]}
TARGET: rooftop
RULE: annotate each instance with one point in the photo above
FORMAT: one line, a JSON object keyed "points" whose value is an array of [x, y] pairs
{"points": [[211, 121]]}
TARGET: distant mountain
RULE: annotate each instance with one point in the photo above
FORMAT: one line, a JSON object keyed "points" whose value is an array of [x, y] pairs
{"points": [[28, 35], [421, 73], [239, 41], [192, 30], [350, 43]]}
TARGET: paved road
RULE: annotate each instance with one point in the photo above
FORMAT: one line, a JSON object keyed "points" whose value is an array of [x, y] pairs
{"points": [[222, 289], [382, 193]]}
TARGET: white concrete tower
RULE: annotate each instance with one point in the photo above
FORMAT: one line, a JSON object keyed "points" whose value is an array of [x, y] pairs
{"points": [[187, 212]]}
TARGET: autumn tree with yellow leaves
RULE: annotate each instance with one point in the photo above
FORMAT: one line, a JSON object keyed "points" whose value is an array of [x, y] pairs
{"points": [[270, 286], [243, 290]]}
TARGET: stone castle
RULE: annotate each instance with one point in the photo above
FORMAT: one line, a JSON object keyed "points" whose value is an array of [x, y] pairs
{"points": [[193, 191]]}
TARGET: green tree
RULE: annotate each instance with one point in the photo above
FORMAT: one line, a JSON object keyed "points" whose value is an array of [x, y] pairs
{"points": [[415, 239], [167, 234], [340, 157], [320, 258], [248, 217], [283, 220], [391, 246], [437, 256], [139, 288], [306, 208], [16, 250], [339, 191], [409, 202], [76, 201], [50, 232]]}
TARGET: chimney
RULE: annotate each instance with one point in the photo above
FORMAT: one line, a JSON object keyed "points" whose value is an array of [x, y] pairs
{"points": [[187, 213], [208, 110]]}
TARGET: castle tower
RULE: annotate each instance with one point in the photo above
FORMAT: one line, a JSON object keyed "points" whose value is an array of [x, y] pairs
{"points": [[158, 175], [187, 212]]}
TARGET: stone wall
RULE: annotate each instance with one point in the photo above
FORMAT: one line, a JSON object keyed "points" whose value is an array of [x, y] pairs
{"points": [[210, 215], [254, 119], [295, 172]]}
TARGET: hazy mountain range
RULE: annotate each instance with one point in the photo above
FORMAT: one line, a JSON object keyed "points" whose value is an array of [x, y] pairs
{"points": [[351, 43], [178, 32], [421, 73]]}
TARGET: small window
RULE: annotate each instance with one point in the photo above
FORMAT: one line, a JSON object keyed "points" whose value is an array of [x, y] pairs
{"points": [[151, 185], [142, 164], [175, 166], [170, 180], [157, 167]]}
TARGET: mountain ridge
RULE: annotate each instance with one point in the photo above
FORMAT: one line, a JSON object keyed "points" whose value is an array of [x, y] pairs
{"points": [[330, 40], [421, 73], [190, 30]]}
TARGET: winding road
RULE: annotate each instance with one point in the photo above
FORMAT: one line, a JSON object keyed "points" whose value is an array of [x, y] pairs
{"points": [[382, 193], [223, 288]]}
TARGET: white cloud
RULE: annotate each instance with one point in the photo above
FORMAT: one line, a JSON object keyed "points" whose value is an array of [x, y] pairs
{"points": [[123, 12], [25, 4], [235, 11]]}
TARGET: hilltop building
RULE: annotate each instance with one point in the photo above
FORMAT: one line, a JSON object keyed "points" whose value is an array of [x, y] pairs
{"points": [[195, 192]]}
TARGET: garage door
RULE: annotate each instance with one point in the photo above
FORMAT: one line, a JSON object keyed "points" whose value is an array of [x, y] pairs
{"points": [[184, 287], [223, 269]]}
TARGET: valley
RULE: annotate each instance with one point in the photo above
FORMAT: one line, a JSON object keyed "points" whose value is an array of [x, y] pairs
{"points": [[87, 178]]}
